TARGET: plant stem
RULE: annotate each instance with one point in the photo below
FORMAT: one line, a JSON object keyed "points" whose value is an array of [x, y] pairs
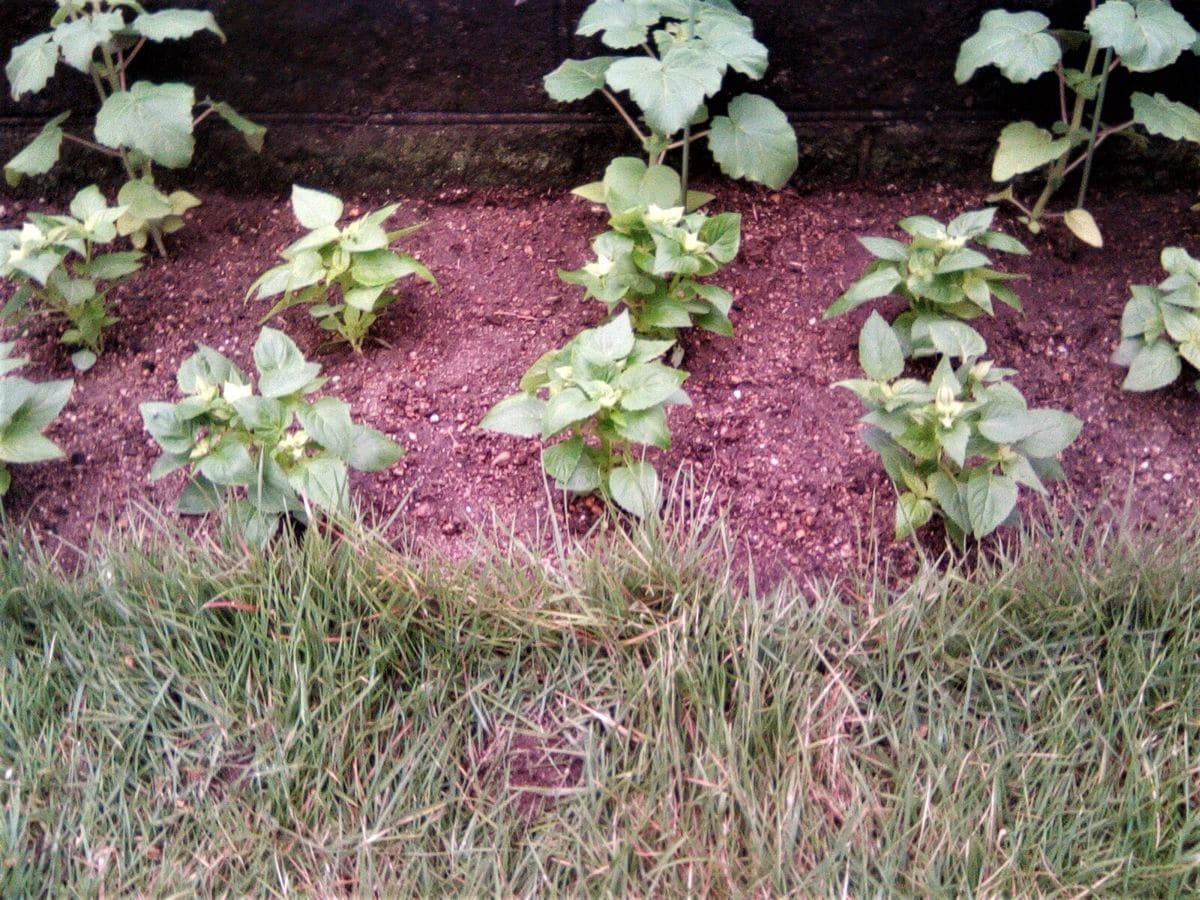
{"points": [[1092, 142], [1104, 135], [624, 115], [685, 165], [693, 138], [1058, 169], [99, 148]]}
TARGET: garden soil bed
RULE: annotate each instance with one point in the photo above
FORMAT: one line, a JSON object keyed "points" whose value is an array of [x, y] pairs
{"points": [[767, 434]]}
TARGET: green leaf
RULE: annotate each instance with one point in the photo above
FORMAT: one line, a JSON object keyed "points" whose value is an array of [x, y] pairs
{"points": [[879, 283], [648, 385], [562, 459], [723, 234], [990, 501], [1147, 34], [885, 248], [518, 414], [111, 266], [647, 426], [175, 24], [608, 343], [961, 261], [1024, 147], [593, 191], [629, 182], [957, 339], [79, 38], [1084, 227], [380, 268], [566, 408], [668, 90], [322, 481], [879, 350], [996, 240], [755, 141], [328, 423], [143, 201], [734, 46], [39, 155], [577, 78], [154, 119], [23, 444], [229, 463], [199, 497], [1007, 424], [315, 209], [282, 368], [635, 488], [372, 450], [911, 513], [1018, 44], [1160, 115], [951, 499], [971, 224], [83, 360], [254, 134], [31, 65], [624, 23], [1154, 366], [1051, 432]]}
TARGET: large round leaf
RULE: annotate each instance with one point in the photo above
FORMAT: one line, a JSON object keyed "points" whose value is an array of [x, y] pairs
{"points": [[155, 119], [755, 141]]}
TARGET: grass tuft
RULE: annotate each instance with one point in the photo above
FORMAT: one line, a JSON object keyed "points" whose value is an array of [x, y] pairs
{"points": [[627, 714]]}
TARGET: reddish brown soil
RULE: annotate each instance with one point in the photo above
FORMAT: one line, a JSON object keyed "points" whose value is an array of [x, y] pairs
{"points": [[766, 433]]}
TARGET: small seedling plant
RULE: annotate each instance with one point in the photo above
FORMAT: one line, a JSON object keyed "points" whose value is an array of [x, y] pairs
{"points": [[1160, 328], [959, 445], [682, 51], [26, 409], [652, 259], [606, 393], [345, 275], [140, 123], [261, 454], [53, 262], [1137, 35], [942, 278]]}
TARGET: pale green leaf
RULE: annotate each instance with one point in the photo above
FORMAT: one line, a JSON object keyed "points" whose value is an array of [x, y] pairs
{"points": [[31, 65], [253, 133], [1083, 226], [175, 24], [755, 141], [734, 46], [629, 182], [879, 350], [635, 488], [79, 38], [878, 284], [990, 501], [1018, 44], [648, 385], [1146, 34], [39, 155], [1051, 432], [669, 90], [154, 119], [1161, 115], [622, 24], [578, 78], [315, 209], [565, 409], [1154, 366], [1025, 147]]}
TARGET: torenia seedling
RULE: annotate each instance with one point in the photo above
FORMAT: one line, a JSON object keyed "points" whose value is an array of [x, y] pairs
{"points": [[261, 453], [345, 275], [604, 393]]}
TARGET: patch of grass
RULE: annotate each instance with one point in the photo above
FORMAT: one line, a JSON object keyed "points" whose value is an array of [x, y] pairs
{"points": [[623, 715]]}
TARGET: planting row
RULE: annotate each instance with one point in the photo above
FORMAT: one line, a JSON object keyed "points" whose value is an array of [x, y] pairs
{"points": [[956, 436]]}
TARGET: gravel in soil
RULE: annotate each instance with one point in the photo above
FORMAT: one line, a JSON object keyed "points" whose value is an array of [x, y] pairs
{"points": [[767, 434]]}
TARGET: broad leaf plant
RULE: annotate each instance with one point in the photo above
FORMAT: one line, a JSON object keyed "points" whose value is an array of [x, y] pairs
{"points": [[26, 409], [1160, 327], [655, 253], [265, 451], [345, 275], [943, 279], [140, 123], [959, 445], [53, 261], [1137, 35], [676, 54], [597, 399]]}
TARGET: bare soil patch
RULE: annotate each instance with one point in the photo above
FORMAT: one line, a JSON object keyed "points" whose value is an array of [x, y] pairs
{"points": [[767, 434]]}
